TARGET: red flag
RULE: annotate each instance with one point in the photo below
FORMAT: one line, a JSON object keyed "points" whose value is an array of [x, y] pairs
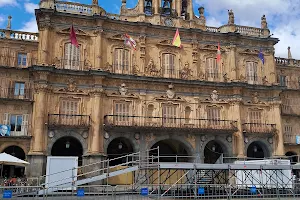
{"points": [[73, 37], [218, 54]]}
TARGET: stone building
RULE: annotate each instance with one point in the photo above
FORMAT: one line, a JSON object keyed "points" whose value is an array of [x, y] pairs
{"points": [[104, 99]]}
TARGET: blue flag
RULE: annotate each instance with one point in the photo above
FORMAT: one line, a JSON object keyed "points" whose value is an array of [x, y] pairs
{"points": [[261, 56]]}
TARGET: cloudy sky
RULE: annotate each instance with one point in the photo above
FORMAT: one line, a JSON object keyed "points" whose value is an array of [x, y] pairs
{"points": [[283, 16]]}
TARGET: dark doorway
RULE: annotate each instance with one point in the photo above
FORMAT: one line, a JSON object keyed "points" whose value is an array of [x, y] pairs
{"points": [[117, 148], [212, 152], [14, 171], [256, 151], [171, 151], [68, 146], [292, 156]]}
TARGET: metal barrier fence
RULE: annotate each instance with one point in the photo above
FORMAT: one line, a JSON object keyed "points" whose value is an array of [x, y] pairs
{"points": [[145, 192]]}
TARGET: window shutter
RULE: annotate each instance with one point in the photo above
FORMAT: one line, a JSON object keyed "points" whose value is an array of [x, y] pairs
{"points": [[6, 118], [126, 60], [172, 63], [67, 58], [25, 124]]}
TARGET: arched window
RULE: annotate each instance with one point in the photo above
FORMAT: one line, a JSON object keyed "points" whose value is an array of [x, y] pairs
{"points": [[212, 70], [72, 57], [168, 64], [251, 72], [184, 8], [148, 7], [166, 7], [187, 114], [121, 61]]}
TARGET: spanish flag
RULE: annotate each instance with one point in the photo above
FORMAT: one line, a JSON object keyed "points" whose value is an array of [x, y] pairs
{"points": [[176, 41]]}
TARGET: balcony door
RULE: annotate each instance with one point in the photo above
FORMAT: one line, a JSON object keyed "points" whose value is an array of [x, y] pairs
{"points": [[168, 63], [255, 119], [169, 115], [214, 117], [121, 61], [122, 113], [251, 71], [69, 113], [72, 57], [212, 70]]}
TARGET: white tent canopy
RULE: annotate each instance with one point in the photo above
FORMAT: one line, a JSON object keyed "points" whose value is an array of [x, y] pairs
{"points": [[7, 159]]}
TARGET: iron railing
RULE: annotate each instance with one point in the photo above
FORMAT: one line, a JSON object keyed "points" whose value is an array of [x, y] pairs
{"points": [[258, 128], [287, 62], [14, 61], [72, 64], [12, 93], [68, 120], [168, 122], [122, 69], [290, 138]]}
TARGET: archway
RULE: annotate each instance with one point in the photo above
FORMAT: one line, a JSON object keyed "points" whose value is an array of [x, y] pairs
{"points": [[257, 150], [68, 146], [118, 148], [171, 151], [212, 152], [14, 171], [292, 156]]}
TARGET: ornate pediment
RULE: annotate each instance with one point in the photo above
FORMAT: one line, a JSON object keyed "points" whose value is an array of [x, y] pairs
{"points": [[211, 47], [77, 31], [116, 37], [249, 51], [71, 88], [165, 43]]}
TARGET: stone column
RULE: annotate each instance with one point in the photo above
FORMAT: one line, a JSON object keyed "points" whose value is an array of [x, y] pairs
{"points": [[36, 155], [95, 147], [142, 5], [190, 9], [178, 7], [235, 110], [156, 4], [43, 48], [232, 74], [279, 141]]}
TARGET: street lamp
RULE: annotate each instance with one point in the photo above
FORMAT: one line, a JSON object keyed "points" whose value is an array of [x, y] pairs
{"points": [[67, 145], [120, 146], [213, 148], [255, 149]]}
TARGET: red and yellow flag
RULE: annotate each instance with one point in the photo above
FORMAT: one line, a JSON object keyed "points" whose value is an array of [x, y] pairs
{"points": [[218, 54], [177, 41]]}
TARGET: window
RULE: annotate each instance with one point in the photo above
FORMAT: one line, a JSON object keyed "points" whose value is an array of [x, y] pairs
{"points": [[251, 70], [148, 7], [150, 111], [22, 60], [212, 71], [187, 114], [121, 61], [68, 112], [19, 89], [18, 123], [255, 117], [282, 80], [122, 112], [166, 7], [72, 57], [214, 116], [288, 134], [168, 63], [169, 115]]}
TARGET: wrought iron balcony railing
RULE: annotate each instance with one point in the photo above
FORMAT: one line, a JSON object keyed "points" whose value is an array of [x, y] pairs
{"points": [[168, 122], [68, 120], [12, 93], [259, 128], [14, 61], [290, 138], [72, 64]]}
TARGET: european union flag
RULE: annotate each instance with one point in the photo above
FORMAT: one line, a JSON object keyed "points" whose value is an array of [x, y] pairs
{"points": [[261, 56]]}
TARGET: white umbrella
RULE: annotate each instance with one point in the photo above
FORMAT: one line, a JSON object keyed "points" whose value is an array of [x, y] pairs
{"points": [[7, 159]]}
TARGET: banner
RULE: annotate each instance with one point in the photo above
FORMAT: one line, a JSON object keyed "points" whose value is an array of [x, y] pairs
{"points": [[4, 130]]}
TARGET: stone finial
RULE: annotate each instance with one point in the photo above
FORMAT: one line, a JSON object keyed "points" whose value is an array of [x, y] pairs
{"points": [[264, 24], [201, 11], [8, 27], [48, 4], [95, 2], [230, 17], [123, 2], [289, 53]]}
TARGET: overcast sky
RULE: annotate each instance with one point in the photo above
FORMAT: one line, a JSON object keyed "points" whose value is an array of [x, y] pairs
{"points": [[283, 16]]}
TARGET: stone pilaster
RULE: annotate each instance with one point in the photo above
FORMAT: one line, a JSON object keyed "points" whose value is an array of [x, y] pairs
{"points": [[190, 9], [178, 8], [232, 69], [279, 141], [44, 35], [98, 46]]}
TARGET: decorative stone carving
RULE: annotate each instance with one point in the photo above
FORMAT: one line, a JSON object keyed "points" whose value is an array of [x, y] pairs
{"points": [[170, 93], [151, 69], [265, 80], [108, 67], [72, 85], [186, 72], [214, 95], [123, 89], [255, 98], [264, 24], [150, 137], [202, 20], [230, 17], [85, 134]]}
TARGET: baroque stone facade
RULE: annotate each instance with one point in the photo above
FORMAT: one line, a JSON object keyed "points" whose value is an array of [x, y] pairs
{"points": [[108, 99]]}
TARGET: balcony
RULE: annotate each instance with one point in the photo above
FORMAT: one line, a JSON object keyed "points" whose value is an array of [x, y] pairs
{"points": [[21, 94], [72, 64], [19, 35], [63, 120], [14, 61], [287, 62], [291, 139], [16, 131], [171, 124], [258, 128]]}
